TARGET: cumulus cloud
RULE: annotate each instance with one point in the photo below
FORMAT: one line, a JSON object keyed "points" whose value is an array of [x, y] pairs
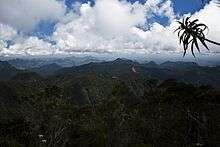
{"points": [[110, 26], [114, 18], [159, 39], [7, 32], [22, 45], [210, 15], [159, 7], [113, 26], [26, 14], [30, 46]]}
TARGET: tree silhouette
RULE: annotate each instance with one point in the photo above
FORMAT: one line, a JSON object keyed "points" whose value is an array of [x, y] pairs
{"points": [[189, 32]]}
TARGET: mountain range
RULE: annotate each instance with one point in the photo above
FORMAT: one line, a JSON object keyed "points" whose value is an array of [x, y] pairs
{"points": [[119, 68], [39, 62]]}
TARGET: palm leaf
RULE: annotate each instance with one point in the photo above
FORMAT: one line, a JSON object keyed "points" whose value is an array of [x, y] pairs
{"points": [[192, 30]]}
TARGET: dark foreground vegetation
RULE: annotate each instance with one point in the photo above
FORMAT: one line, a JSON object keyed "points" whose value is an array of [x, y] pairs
{"points": [[112, 104]]}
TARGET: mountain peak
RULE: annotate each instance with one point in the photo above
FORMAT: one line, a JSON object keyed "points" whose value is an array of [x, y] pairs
{"points": [[151, 64], [124, 60], [179, 64]]}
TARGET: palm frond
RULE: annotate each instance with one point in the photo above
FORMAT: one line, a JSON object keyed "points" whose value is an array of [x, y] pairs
{"points": [[190, 32]]}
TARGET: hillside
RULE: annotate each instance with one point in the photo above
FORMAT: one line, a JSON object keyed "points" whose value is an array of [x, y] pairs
{"points": [[123, 100], [7, 70], [46, 70], [182, 71], [124, 68]]}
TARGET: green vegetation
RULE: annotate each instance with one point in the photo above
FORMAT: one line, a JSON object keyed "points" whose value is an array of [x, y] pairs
{"points": [[99, 105]]}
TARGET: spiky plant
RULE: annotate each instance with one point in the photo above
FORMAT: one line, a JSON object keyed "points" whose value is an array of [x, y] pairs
{"points": [[189, 32]]}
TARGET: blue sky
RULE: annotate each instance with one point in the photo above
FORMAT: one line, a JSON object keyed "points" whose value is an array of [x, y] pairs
{"points": [[180, 6], [45, 27]]}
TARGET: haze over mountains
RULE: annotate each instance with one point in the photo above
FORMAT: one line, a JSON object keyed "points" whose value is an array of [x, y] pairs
{"points": [[27, 63], [183, 71]]}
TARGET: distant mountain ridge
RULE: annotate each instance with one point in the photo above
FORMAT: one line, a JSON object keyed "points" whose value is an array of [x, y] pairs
{"points": [[63, 62], [179, 64], [7, 70], [126, 64], [117, 66], [183, 71], [46, 70]]}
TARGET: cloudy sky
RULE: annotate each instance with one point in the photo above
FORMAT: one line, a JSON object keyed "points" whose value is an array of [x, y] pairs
{"points": [[69, 27]]}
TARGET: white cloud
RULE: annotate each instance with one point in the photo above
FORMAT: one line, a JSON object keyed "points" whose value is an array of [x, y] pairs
{"points": [[167, 10], [159, 39], [111, 26], [29, 46], [210, 16], [116, 18], [26, 14], [7, 32], [2, 45], [159, 7]]}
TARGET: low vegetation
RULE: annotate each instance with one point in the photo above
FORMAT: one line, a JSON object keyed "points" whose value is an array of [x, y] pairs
{"points": [[98, 109]]}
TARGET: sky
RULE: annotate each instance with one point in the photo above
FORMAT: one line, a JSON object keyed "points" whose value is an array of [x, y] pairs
{"points": [[101, 27]]}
